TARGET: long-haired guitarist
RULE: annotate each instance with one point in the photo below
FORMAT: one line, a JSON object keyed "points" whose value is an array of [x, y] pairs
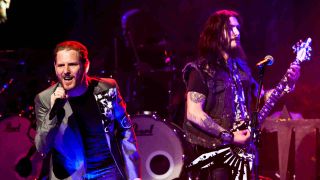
{"points": [[220, 89]]}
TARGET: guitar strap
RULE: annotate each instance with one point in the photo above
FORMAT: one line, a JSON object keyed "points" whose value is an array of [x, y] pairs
{"points": [[240, 109]]}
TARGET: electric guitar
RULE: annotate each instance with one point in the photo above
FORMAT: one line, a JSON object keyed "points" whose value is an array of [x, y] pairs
{"points": [[236, 157]]}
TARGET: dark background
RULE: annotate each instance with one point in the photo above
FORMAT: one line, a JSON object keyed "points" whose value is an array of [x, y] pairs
{"points": [[270, 27]]}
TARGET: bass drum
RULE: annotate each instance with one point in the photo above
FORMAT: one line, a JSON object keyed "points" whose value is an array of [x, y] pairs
{"points": [[160, 147], [18, 158]]}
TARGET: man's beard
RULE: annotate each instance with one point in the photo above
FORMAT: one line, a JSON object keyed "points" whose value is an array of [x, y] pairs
{"points": [[236, 52]]}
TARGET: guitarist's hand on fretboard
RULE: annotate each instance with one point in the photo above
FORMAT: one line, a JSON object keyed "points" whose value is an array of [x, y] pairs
{"points": [[293, 75]]}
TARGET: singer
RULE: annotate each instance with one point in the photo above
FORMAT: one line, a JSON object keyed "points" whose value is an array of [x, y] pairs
{"points": [[219, 91], [89, 135]]}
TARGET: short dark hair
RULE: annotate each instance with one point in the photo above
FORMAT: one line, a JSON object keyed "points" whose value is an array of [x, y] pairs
{"points": [[73, 45]]}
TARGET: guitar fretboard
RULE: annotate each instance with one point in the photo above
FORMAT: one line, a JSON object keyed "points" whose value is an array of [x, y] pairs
{"points": [[274, 97]]}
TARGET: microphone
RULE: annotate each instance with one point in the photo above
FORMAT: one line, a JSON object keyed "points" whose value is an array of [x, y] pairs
{"points": [[268, 60], [58, 103]]}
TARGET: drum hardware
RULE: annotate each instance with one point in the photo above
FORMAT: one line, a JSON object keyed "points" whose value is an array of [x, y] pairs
{"points": [[153, 65], [150, 113], [155, 91], [24, 165]]}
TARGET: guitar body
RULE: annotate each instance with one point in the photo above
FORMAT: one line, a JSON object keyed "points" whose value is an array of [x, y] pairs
{"points": [[230, 156]]}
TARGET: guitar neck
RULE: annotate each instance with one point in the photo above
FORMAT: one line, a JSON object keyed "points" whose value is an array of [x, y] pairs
{"points": [[274, 97]]}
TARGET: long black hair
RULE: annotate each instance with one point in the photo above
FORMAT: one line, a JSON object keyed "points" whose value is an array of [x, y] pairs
{"points": [[212, 39]]}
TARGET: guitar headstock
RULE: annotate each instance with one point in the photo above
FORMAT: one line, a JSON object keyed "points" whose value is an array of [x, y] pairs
{"points": [[302, 50]]}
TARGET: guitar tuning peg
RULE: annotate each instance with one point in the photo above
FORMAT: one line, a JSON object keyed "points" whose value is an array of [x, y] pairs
{"points": [[309, 55], [306, 44], [308, 40], [294, 48]]}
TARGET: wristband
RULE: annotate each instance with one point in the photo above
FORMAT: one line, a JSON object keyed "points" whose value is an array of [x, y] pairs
{"points": [[226, 137]]}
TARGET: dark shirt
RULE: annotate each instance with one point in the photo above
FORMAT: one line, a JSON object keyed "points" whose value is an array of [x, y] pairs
{"points": [[196, 84], [99, 161]]}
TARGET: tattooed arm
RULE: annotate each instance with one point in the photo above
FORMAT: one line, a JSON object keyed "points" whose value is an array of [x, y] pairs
{"points": [[195, 114]]}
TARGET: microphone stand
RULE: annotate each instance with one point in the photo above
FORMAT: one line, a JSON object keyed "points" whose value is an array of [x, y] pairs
{"points": [[255, 127]]}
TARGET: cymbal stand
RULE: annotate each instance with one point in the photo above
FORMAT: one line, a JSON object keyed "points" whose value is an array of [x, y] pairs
{"points": [[172, 68]]}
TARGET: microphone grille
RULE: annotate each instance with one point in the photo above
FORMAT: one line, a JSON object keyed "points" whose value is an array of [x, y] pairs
{"points": [[270, 59]]}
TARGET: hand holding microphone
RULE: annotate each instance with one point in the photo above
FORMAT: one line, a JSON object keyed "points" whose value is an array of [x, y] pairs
{"points": [[293, 75], [57, 100]]}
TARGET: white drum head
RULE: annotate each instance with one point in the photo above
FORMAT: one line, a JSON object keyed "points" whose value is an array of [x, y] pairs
{"points": [[160, 148]]}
